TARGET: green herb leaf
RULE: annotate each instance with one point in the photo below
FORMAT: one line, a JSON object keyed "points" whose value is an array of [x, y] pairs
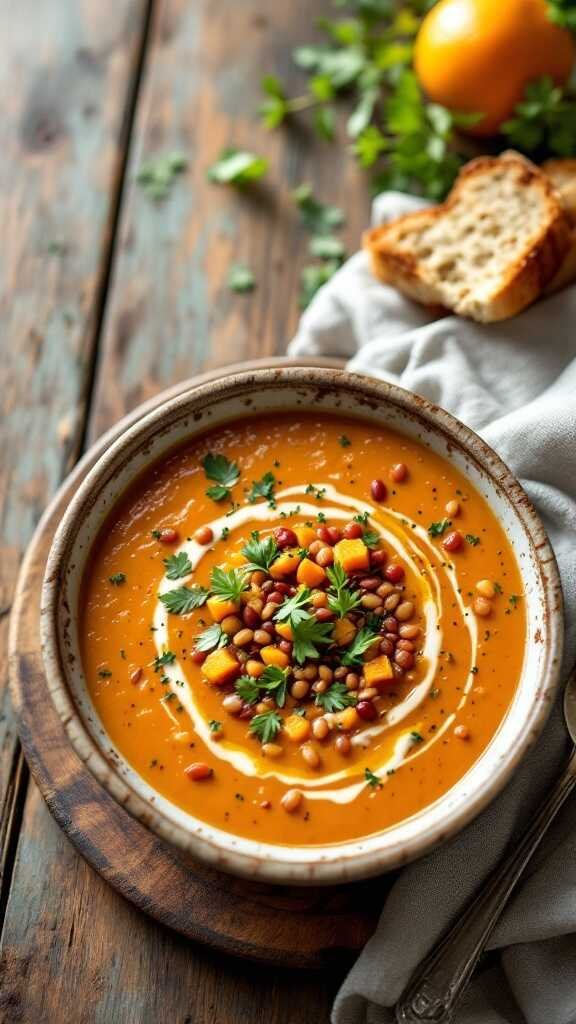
{"points": [[104, 673], [241, 279], [117, 579], [237, 167], [177, 566], [563, 13], [211, 638], [157, 175], [318, 218], [362, 641], [373, 780], [260, 553], [471, 539], [214, 726], [335, 698], [438, 528], [544, 119], [275, 107], [326, 247], [307, 636], [324, 122], [247, 687], [341, 598], [263, 488], [167, 658], [220, 469], [293, 609], [312, 277], [344, 441], [275, 680], [182, 600], [416, 737], [371, 538], [228, 583], [218, 492], [266, 726]]}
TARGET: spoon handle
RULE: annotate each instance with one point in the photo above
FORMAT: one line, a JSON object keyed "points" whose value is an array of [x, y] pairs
{"points": [[439, 981]]}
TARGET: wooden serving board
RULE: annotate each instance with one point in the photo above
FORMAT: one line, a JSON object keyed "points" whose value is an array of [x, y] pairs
{"points": [[286, 926]]}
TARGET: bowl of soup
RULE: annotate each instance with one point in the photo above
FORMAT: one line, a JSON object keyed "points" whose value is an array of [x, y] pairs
{"points": [[302, 624]]}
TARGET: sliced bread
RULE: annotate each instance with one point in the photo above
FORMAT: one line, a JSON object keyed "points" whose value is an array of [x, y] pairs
{"points": [[488, 251], [563, 176]]}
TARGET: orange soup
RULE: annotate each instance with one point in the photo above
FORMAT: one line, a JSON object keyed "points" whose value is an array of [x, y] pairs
{"points": [[302, 630]]}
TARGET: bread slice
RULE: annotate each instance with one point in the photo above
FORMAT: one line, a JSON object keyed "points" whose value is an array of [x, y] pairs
{"points": [[563, 176], [488, 251]]}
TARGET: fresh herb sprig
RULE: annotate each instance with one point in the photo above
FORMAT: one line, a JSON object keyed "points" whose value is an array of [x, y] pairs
{"points": [[265, 726], [263, 488], [336, 698], [237, 167], [177, 565], [341, 598], [261, 554], [438, 528], [225, 474], [364, 639], [228, 584], [182, 600], [307, 636], [294, 609], [211, 638]]}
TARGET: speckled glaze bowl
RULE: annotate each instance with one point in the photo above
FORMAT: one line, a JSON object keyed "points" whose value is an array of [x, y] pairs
{"points": [[270, 391]]}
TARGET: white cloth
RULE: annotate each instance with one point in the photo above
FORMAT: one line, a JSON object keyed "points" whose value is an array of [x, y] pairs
{"points": [[515, 384]]}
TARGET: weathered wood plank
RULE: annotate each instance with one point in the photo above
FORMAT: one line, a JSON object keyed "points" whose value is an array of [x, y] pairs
{"points": [[171, 312], [65, 81]]}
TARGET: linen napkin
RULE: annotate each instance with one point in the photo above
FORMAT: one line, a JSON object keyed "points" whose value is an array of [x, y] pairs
{"points": [[515, 384]]}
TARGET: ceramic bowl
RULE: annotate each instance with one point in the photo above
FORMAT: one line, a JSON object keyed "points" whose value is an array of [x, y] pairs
{"points": [[294, 389]]}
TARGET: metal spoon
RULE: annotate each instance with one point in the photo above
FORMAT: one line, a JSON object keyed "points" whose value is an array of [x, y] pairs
{"points": [[440, 980]]}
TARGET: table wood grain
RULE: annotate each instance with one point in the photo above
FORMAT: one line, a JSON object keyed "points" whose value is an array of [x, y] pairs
{"points": [[106, 298]]}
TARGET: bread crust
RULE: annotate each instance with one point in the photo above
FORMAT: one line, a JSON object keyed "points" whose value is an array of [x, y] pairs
{"points": [[527, 275]]}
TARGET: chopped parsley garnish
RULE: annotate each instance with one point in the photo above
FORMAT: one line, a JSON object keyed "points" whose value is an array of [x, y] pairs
{"points": [[471, 539], [416, 737], [371, 538], [182, 600], [177, 565], [247, 687], [214, 726], [237, 167], [513, 599], [362, 518], [163, 659], [266, 726], [223, 472], [344, 441], [361, 642], [104, 673], [341, 599], [275, 680], [307, 636], [117, 579], [293, 609], [497, 588], [241, 279], [210, 638], [225, 532], [318, 492], [156, 534], [318, 218], [260, 553], [439, 527], [335, 698], [263, 488], [228, 584], [372, 779]]}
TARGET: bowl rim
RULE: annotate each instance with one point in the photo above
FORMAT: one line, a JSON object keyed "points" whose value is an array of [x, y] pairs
{"points": [[330, 863]]}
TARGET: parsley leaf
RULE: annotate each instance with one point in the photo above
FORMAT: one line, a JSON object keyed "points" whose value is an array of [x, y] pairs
{"points": [[276, 106], [182, 600], [335, 698], [247, 687], [157, 175], [241, 279], [439, 527], [117, 579], [237, 167], [344, 441], [416, 737], [307, 636], [228, 583], [362, 641], [260, 553], [471, 539], [371, 538], [214, 726], [220, 469], [266, 726], [544, 119], [210, 638], [372, 779], [562, 12], [293, 609], [263, 488], [318, 218], [325, 247], [275, 680], [166, 658], [177, 565], [341, 599]]}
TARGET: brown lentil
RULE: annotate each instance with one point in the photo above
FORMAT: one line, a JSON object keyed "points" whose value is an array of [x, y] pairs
{"points": [[231, 624], [251, 616], [319, 599], [243, 637], [378, 490], [325, 673], [299, 689], [399, 472], [370, 601], [384, 589], [461, 732], [343, 745], [168, 535], [404, 659], [482, 606], [392, 602], [310, 755], [368, 694], [352, 681], [486, 588], [452, 508], [204, 535], [291, 800], [269, 610], [198, 771], [409, 631], [404, 611], [325, 557], [320, 728], [261, 636], [233, 703]]}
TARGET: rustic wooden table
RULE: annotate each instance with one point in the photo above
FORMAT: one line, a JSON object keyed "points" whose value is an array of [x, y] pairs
{"points": [[107, 298]]}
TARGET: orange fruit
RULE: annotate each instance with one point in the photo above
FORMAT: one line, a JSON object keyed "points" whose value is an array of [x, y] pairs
{"points": [[477, 56]]}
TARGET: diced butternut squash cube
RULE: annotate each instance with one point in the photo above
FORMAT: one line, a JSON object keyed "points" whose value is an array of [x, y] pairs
{"points": [[272, 655], [285, 565], [310, 574], [284, 630], [221, 666], [378, 671], [297, 728], [305, 534], [344, 632], [352, 554], [219, 608], [348, 719]]}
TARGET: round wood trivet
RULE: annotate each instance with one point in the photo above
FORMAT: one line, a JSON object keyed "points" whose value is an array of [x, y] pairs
{"points": [[285, 926]]}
